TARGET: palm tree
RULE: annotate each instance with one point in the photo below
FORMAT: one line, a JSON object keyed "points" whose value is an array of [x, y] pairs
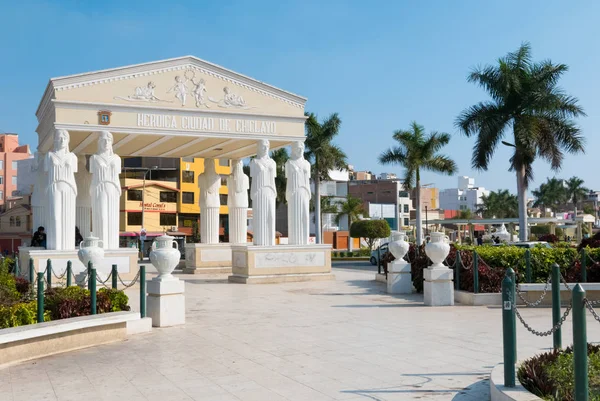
{"points": [[416, 152], [576, 191], [499, 204], [353, 208], [526, 98], [552, 194], [323, 155], [280, 157], [327, 207]]}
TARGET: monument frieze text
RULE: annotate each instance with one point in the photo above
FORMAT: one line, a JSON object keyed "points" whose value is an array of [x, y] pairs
{"points": [[208, 124]]}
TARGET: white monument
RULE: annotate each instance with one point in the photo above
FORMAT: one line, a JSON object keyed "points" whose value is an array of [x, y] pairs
{"points": [[438, 288], [105, 191], [83, 214], [399, 280], [237, 201], [61, 166], [38, 197], [209, 183], [263, 194], [297, 194]]}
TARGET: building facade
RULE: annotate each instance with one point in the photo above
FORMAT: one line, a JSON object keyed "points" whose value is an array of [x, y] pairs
{"points": [[384, 192], [10, 154], [15, 224], [466, 197]]}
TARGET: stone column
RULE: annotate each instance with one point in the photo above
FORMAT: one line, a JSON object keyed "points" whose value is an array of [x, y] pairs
{"points": [[237, 201], [83, 214], [263, 193], [297, 194], [38, 197], [209, 183]]}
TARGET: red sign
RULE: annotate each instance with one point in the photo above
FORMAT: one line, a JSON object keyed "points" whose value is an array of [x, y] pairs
{"points": [[153, 206]]}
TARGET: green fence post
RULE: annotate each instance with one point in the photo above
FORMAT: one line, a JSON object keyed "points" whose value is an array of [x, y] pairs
{"points": [[93, 290], [475, 273], [508, 330], [580, 356], [31, 271], [513, 279], [457, 270], [114, 276], [557, 336], [40, 297], [143, 291], [528, 266], [69, 273], [89, 272], [49, 273], [583, 266], [17, 272]]}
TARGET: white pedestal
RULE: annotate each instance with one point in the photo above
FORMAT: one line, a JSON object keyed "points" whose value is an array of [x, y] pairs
{"points": [[399, 279], [165, 303], [438, 288], [207, 258]]}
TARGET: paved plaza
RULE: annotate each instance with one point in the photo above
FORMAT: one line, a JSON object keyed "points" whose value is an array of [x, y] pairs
{"points": [[335, 340]]}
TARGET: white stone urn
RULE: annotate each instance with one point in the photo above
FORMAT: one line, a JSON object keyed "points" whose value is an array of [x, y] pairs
{"points": [[164, 256], [437, 249], [91, 251], [399, 246]]}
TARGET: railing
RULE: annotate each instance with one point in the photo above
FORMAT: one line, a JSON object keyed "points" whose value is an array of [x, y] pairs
{"points": [[579, 304]]}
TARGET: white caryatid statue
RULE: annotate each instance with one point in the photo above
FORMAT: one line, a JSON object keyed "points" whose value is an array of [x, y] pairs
{"points": [[105, 190], [297, 194], [83, 214], [61, 194], [263, 194], [237, 202], [209, 183], [38, 197]]}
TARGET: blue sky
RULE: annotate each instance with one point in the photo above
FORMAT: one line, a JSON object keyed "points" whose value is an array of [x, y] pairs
{"points": [[379, 64]]}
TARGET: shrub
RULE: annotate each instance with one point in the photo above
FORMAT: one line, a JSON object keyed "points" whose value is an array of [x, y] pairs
{"points": [[8, 289], [342, 254], [118, 300], [20, 314], [370, 230], [350, 254], [334, 254], [22, 285], [74, 301], [550, 238]]}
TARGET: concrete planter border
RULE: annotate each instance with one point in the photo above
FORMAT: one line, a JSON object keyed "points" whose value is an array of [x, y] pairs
{"points": [[482, 299], [499, 392]]}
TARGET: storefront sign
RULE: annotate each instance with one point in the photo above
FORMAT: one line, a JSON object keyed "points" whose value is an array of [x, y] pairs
{"points": [[153, 206], [191, 123]]}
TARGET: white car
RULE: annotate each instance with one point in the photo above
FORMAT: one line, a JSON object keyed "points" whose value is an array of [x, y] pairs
{"points": [[383, 249]]}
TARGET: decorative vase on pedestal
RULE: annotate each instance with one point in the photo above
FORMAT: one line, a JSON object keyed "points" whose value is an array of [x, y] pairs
{"points": [[90, 251], [164, 256], [437, 249], [398, 246]]}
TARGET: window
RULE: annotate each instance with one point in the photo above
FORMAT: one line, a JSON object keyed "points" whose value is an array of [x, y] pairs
{"points": [[134, 218], [1, 180], [223, 199], [14, 165], [405, 208], [168, 197], [406, 222], [14, 180], [188, 159], [187, 197], [223, 180], [1, 163], [1, 194], [168, 219], [224, 162], [188, 220], [403, 194], [187, 176], [134, 195], [18, 221], [12, 221]]}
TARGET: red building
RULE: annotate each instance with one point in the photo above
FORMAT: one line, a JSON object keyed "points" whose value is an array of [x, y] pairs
{"points": [[10, 153]]}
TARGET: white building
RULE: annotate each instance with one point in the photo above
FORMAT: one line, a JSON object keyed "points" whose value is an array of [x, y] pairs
{"points": [[387, 176], [25, 178], [466, 197]]}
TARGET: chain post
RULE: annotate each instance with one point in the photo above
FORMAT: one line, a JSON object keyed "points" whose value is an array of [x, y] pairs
{"points": [[475, 273], [583, 266], [92, 281], [508, 330], [142, 291], [556, 315], [580, 357], [89, 271], [457, 270], [114, 277], [528, 266], [379, 260], [40, 297], [31, 271], [69, 273], [17, 272], [49, 273]]}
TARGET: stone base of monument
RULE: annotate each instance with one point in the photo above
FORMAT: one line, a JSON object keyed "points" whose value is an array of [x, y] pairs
{"points": [[438, 288], [207, 258], [399, 279], [126, 260], [280, 263], [165, 302]]}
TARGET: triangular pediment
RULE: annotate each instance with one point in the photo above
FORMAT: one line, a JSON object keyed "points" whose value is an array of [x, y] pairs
{"points": [[186, 83]]}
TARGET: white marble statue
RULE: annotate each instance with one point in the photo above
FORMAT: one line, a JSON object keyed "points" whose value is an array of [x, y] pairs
{"points": [[237, 201], [105, 191], [209, 183], [38, 197], [263, 194], [61, 194], [297, 194], [83, 214]]}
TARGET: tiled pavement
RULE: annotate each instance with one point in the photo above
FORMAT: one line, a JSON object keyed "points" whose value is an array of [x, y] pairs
{"points": [[337, 340]]}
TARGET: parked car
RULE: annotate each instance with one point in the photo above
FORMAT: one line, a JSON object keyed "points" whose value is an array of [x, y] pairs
{"points": [[382, 250]]}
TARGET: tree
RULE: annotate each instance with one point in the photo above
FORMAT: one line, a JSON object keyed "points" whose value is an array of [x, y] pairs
{"points": [[323, 155], [416, 152], [551, 194], [499, 204], [353, 208], [371, 230], [280, 157], [576, 191], [524, 97]]}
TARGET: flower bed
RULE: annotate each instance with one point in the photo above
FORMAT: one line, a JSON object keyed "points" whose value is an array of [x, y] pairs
{"points": [[550, 375]]}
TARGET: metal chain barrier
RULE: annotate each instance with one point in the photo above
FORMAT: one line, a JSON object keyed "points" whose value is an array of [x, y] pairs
{"points": [[105, 281], [552, 330], [61, 276], [463, 264], [536, 303], [132, 282], [562, 279], [82, 282], [588, 305], [587, 254]]}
